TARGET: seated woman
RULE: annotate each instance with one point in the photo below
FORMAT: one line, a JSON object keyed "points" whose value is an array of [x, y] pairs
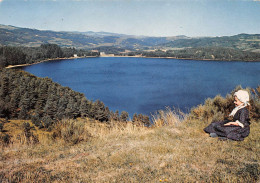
{"points": [[238, 128]]}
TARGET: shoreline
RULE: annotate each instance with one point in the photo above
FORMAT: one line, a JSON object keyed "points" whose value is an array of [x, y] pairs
{"points": [[64, 58], [140, 56], [115, 56]]}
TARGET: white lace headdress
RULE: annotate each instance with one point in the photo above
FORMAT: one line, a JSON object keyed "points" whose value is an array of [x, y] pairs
{"points": [[243, 96]]}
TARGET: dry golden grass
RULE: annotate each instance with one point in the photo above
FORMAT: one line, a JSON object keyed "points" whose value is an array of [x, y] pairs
{"points": [[169, 117], [127, 153]]}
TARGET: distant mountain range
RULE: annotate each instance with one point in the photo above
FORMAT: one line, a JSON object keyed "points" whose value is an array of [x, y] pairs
{"points": [[16, 36]]}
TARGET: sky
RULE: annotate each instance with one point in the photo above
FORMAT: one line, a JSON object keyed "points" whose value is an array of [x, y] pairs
{"points": [[193, 18]]}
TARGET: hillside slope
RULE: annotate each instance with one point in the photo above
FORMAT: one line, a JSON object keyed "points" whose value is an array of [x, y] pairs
{"points": [[127, 153], [174, 149]]}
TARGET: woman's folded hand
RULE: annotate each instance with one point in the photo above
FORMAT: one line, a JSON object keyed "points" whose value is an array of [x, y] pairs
{"points": [[231, 123]]}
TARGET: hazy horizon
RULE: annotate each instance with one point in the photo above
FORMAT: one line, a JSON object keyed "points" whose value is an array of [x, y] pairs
{"points": [[159, 18], [100, 32]]}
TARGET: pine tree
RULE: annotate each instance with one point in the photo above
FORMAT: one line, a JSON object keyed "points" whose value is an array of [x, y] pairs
{"points": [[135, 118], [24, 106], [124, 116], [4, 87], [84, 108], [98, 111]]}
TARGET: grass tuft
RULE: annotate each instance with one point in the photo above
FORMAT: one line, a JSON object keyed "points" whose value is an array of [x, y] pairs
{"points": [[168, 117]]}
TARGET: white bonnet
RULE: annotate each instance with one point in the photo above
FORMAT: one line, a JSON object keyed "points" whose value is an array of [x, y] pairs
{"points": [[243, 96]]}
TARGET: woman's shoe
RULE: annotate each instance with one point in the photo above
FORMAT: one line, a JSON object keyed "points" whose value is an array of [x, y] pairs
{"points": [[213, 135]]}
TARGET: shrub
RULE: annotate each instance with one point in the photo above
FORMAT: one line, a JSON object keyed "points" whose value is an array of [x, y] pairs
{"points": [[1, 127], [219, 108], [5, 139], [47, 122], [255, 103], [71, 131], [36, 120], [29, 136], [141, 120]]}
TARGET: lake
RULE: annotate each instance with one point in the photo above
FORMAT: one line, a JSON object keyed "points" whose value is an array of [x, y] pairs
{"points": [[145, 85]]}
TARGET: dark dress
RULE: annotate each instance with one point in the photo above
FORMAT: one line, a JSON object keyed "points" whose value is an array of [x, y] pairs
{"points": [[232, 132]]}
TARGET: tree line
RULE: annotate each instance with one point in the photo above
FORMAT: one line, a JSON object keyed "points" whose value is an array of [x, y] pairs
{"points": [[25, 96], [240, 41], [27, 55], [206, 53]]}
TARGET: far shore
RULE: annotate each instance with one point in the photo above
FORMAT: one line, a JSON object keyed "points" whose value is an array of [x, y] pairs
{"points": [[140, 56], [135, 56], [47, 60]]}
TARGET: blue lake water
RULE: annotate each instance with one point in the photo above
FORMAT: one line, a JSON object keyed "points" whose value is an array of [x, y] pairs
{"points": [[145, 85]]}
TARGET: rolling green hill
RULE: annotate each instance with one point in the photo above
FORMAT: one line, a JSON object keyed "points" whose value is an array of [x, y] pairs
{"points": [[245, 47], [15, 36], [246, 42]]}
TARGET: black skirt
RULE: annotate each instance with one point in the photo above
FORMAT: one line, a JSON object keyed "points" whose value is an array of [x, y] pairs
{"points": [[231, 132]]}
